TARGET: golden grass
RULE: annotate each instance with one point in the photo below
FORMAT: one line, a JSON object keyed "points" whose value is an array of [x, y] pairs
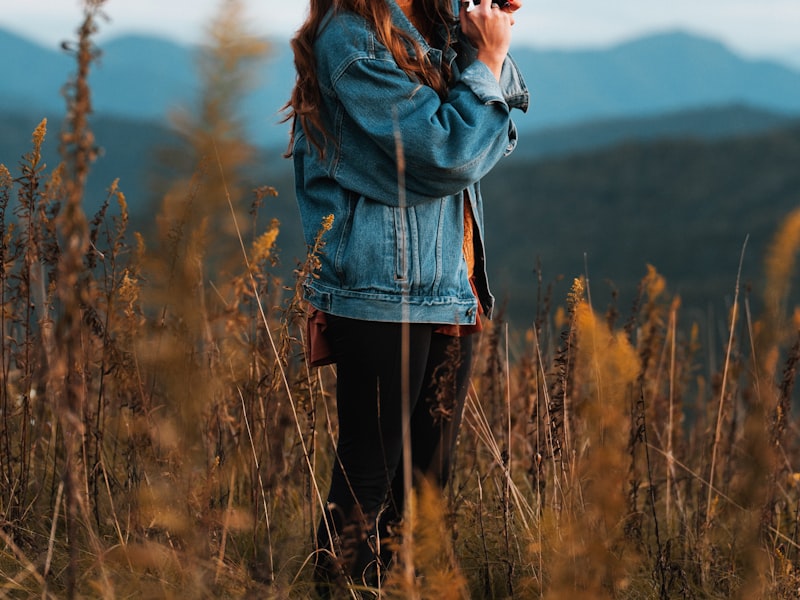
{"points": [[162, 435]]}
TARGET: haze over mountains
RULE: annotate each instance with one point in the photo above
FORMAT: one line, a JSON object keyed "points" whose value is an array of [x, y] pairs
{"points": [[143, 78]]}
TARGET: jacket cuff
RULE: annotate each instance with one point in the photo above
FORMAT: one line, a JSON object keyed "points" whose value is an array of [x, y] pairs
{"points": [[480, 79], [513, 85]]}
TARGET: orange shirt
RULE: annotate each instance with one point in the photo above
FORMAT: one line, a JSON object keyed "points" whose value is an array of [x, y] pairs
{"points": [[468, 248]]}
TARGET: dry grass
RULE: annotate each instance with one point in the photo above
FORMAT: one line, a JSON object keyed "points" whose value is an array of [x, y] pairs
{"points": [[162, 435]]}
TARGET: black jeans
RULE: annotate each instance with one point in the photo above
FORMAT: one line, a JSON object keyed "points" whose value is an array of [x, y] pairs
{"points": [[367, 484]]}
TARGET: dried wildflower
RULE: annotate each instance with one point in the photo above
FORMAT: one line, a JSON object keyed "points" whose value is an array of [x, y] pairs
{"points": [[655, 283], [128, 293], [312, 264], [262, 247], [605, 372], [780, 261], [38, 138], [446, 383], [576, 293], [5, 177]]}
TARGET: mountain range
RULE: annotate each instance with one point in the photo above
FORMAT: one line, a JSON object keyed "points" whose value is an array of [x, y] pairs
{"points": [[668, 150], [145, 78]]}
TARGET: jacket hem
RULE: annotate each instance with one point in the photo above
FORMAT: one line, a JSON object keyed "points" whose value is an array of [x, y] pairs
{"points": [[394, 308]]}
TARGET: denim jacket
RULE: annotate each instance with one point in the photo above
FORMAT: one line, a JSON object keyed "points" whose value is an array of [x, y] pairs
{"points": [[396, 174]]}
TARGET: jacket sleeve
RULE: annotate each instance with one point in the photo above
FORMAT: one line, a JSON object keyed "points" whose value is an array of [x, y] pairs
{"points": [[446, 144], [512, 84]]}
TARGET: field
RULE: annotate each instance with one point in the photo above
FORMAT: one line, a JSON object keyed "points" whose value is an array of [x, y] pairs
{"points": [[163, 435]]}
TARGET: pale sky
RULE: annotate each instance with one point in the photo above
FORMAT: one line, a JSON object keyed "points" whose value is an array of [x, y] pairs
{"points": [[755, 28]]}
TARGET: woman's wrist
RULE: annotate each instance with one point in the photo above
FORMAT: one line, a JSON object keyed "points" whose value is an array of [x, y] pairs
{"points": [[492, 60]]}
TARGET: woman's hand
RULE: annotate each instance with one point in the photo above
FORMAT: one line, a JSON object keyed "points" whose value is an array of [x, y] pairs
{"points": [[488, 28]]}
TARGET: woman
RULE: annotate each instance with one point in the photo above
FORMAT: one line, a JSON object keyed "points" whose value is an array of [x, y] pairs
{"points": [[400, 108]]}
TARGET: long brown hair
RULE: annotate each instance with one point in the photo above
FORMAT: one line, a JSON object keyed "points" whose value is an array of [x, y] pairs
{"points": [[306, 97]]}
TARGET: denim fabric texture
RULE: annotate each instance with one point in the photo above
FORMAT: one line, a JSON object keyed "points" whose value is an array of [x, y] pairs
{"points": [[396, 173]]}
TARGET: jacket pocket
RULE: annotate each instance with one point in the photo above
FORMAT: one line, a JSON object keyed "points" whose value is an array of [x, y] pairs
{"points": [[400, 221], [372, 253]]}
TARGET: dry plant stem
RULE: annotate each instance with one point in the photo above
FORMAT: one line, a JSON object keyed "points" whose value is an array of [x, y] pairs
{"points": [[407, 549], [51, 542], [548, 434], [478, 422], [282, 370], [795, 533], [312, 416], [22, 295], [410, 508], [729, 350], [572, 450], [670, 474], [261, 489], [670, 457], [308, 269], [332, 439], [783, 537], [6, 469], [29, 570], [225, 527], [69, 387], [539, 432], [660, 566], [756, 368], [26, 293], [486, 563], [122, 538], [507, 472], [556, 450]]}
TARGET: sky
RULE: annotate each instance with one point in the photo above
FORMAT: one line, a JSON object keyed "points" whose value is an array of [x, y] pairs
{"points": [[753, 28]]}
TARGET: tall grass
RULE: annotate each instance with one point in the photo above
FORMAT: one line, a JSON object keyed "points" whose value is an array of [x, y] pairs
{"points": [[163, 435]]}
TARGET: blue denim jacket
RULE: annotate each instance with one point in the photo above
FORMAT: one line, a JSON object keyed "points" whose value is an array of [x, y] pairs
{"points": [[395, 176]]}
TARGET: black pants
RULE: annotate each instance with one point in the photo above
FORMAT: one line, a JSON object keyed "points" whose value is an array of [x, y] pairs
{"points": [[367, 491]]}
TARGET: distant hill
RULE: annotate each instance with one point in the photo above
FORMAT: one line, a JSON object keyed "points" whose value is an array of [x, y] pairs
{"points": [[654, 74], [146, 78], [128, 151], [129, 148], [697, 124], [669, 150], [684, 206]]}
